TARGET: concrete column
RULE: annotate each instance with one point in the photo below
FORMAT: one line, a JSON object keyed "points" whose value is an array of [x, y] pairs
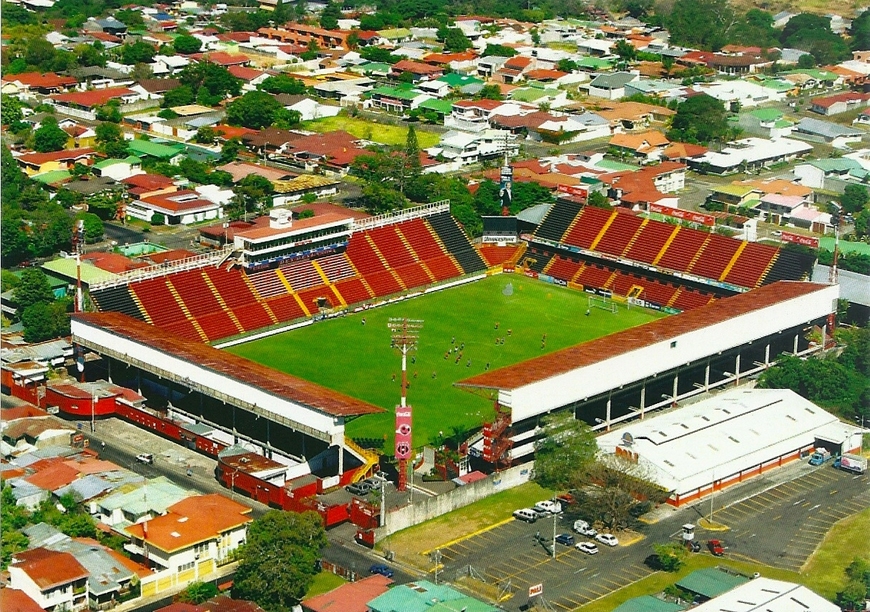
{"points": [[109, 367], [767, 354], [824, 335], [795, 350], [737, 368], [707, 376], [609, 403], [642, 398], [340, 459], [235, 433], [676, 386]]}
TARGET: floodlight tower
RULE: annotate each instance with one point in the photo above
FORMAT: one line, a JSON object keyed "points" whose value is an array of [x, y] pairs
{"points": [[404, 334], [836, 211]]}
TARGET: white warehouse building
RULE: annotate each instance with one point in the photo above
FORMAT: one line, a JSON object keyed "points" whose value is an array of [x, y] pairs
{"points": [[727, 439]]}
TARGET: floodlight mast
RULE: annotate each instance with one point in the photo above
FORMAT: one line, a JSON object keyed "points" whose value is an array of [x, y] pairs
{"points": [[404, 336]]}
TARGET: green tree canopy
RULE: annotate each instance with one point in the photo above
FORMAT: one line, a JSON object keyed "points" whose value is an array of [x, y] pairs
{"points": [[209, 82], [855, 198], [34, 288], [257, 109], [704, 24], [110, 140], [93, 225], [499, 51], [138, 52], [330, 15], [699, 119], [279, 560], [283, 84], [812, 33], [454, 39], [187, 44], [197, 593], [49, 137], [860, 32], [566, 447], [671, 556]]}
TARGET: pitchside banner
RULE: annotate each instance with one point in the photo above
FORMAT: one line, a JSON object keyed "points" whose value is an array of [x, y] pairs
{"points": [[685, 215], [403, 432], [581, 191], [802, 240]]}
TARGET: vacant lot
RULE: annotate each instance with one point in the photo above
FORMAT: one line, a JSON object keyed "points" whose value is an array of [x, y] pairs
{"points": [[371, 130]]}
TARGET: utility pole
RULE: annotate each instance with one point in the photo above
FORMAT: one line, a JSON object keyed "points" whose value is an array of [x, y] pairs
{"points": [[405, 333]]}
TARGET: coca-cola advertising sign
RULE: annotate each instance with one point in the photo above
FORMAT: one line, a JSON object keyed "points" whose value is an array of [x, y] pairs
{"points": [[574, 190], [685, 215], [809, 241], [403, 432]]}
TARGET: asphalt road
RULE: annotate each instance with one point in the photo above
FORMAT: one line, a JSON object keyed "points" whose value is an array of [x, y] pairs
{"points": [[780, 525]]}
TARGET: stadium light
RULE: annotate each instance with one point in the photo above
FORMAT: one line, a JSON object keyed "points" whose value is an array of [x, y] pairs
{"points": [[404, 335]]}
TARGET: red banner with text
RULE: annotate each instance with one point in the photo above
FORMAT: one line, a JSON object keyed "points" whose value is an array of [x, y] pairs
{"points": [[685, 215], [809, 241]]}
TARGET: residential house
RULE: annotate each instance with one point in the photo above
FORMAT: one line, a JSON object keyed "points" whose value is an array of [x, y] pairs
{"points": [[418, 70], [27, 83], [111, 575], [472, 115], [644, 146], [54, 580], [193, 537], [303, 35], [436, 88], [119, 169], [768, 122], [169, 64], [515, 69], [555, 128], [817, 173], [838, 136], [350, 597], [250, 77], [39, 163], [776, 208], [398, 99], [738, 64], [656, 88], [15, 600], [181, 207], [308, 108], [222, 58], [137, 501], [637, 189], [734, 196], [148, 185], [749, 154], [80, 136], [168, 152], [464, 148], [596, 47], [839, 103], [611, 86], [109, 25], [487, 66], [331, 152], [394, 36], [84, 104], [863, 118], [631, 116], [741, 93]]}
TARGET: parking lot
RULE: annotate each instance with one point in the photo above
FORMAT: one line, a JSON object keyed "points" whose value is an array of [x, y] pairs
{"points": [[780, 526], [783, 525]]}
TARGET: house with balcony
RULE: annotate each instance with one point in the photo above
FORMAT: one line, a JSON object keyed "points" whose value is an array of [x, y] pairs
{"points": [[182, 207], [465, 148], [472, 115], [193, 538], [56, 581]]}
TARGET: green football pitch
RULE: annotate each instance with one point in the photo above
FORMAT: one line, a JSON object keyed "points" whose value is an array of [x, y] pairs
{"points": [[355, 358]]}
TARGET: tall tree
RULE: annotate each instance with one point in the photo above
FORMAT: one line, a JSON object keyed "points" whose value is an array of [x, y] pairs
{"points": [[110, 140], [566, 447], [701, 23], [33, 289], [49, 137], [854, 199], [330, 15], [279, 560], [699, 119], [255, 110]]}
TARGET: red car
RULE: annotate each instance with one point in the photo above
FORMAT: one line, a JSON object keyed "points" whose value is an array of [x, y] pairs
{"points": [[716, 548]]}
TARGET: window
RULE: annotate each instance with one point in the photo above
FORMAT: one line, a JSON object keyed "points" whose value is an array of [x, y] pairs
{"points": [[185, 566], [674, 344]]}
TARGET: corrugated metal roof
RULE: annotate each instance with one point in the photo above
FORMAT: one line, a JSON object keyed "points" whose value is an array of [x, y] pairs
{"points": [[710, 582]]}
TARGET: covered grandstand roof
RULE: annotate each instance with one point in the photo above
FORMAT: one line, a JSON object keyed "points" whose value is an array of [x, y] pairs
{"points": [[231, 366], [594, 351]]}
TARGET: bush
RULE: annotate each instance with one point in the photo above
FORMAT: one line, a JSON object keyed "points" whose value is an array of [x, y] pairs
{"points": [[157, 219]]}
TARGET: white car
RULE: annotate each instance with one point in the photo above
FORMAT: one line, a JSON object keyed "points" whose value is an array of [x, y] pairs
{"points": [[583, 528], [548, 506], [145, 458], [606, 538], [587, 547]]}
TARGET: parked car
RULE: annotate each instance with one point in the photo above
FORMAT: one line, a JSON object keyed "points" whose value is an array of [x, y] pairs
{"points": [[587, 547], [693, 546], [716, 547], [548, 506], [145, 458], [373, 483], [606, 538], [566, 499], [359, 488], [583, 528], [526, 514], [383, 570], [566, 539]]}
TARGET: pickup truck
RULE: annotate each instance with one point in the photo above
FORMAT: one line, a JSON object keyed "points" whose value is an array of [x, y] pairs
{"points": [[820, 456], [851, 463]]}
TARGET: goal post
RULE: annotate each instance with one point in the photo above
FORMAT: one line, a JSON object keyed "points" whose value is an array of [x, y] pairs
{"points": [[602, 302]]}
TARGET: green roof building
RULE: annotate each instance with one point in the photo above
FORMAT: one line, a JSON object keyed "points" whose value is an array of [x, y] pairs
{"points": [[146, 148], [66, 268], [53, 177], [423, 596], [711, 582], [442, 107]]}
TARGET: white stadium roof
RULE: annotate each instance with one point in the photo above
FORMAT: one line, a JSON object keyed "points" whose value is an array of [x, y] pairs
{"points": [[766, 595]]}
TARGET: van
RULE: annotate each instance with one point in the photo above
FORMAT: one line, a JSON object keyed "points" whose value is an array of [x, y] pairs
{"points": [[526, 514]]}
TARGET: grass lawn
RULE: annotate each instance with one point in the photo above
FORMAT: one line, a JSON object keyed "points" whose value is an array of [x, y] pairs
{"points": [[323, 583], [824, 571], [356, 359], [410, 543], [376, 132]]}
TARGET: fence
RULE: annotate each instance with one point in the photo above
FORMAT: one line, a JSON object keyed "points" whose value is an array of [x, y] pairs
{"points": [[431, 507]]}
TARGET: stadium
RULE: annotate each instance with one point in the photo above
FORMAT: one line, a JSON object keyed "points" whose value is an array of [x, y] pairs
{"points": [[276, 348]]}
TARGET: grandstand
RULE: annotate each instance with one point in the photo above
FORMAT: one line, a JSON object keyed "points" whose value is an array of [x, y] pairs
{"points": [[290, 271], [658, 264]]}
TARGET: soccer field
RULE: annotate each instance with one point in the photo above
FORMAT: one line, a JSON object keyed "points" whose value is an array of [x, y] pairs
{"points": [[356, 358]]}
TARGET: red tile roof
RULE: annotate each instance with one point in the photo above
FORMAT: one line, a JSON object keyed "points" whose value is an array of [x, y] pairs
{"points": [[52, 477], [607, 347], [93, 97], [169, 201], [221, 58], [48, 568], [105, 37], [193, 520], [173, 255], [518, 62], [848, 96], [416, 68], [148, 182], [541, 74], [446, 58], [352, 597], [13, 600], [67, 155], [112, 262], [226, 364], [486, 104], [235, 36], [245, 73], [45, 80], [233, 131]]}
